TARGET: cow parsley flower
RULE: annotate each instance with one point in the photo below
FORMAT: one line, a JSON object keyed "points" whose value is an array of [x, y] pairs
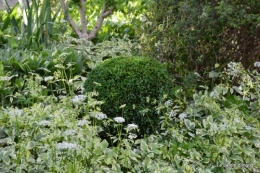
{"points": [[132, 126], [17, 112], [171, 113], [182, 116], [257, 64], [223, 126], [69, 132], [66, 145], [119, 119], [168, 103], [44, 123], [48, 78], [98, 115], [82, 122], [78, 99], [236, 120], [248, 128], [132, 136]]}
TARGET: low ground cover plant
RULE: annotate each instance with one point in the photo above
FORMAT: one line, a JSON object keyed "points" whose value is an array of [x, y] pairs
{"points": [[217, 130]]}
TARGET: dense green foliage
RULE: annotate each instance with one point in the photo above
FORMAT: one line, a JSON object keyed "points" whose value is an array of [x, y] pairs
{"points": [[195, 35], [55, 68], [135, 82], [210, 123]]}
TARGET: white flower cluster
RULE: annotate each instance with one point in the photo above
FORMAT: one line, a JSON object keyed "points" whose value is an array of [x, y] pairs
{"points": [[257, 64], [44, 123], [69, 132], [132, 126], [78, 99], [66, 145], [98, 115], [168, 103], [82, 122], [171, 113], [17, 112], [182, 116], [248, 128], [132, 136], [48, 78], [119, 119]]}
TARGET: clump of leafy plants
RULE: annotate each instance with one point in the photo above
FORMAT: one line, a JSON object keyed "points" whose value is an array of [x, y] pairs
{"points": [[130, 87]]}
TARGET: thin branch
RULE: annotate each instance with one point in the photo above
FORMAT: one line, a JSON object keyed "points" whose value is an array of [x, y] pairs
{"points": [[104, 13], [70, 20]]}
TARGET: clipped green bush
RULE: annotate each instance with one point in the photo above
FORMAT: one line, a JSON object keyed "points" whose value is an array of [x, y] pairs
{"points": [[135, 82]]}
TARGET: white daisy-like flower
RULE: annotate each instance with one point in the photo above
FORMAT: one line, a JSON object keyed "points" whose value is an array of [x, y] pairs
{"points": [[119, 119], [66, 145], [98, 115], [78, 98], [82, 122], [132, 126], [182, 116], [69, 132], [48, 78], [44, 123], [257, 64], [132, 136]]}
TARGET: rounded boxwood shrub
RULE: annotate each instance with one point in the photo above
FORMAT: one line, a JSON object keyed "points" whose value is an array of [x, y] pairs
{"points": [[134, 82]]}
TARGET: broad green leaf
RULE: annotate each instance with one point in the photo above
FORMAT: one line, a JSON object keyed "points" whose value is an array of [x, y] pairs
{"points": [[6, 159], [190, 125], [236, 158], [248, 151], [144, 147]]}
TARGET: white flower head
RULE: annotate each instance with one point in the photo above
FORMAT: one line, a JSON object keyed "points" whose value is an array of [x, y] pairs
{"points": [[248, 128], [78, 99], [66, 145], [132, 126], [182, 116], [119, 119], [69, 132], [44, 123], [82, 122], [98, 115], [17, 112], [48, 78], [257, 64], [223, 126], [132, 136], [168, 103], [236, 120], [171, 113]]}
